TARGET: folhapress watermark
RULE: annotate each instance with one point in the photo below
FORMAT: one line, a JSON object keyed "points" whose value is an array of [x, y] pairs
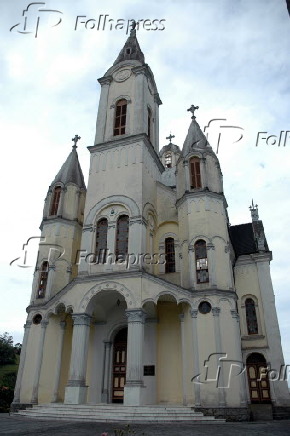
{"points": [[37, 15], [281, 140]]}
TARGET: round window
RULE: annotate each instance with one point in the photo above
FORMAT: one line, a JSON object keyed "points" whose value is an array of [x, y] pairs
{"points": [[204, 307], [37, 319]]}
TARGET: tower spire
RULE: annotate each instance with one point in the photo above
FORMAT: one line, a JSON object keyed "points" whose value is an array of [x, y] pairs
{"points": [[131, 49], [254, 211]]}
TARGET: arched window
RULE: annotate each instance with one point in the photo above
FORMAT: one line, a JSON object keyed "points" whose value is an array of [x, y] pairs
{"points": [[43, 276], [201, 262], [55, 200], [169, 255], [251, 317], [101, 240], [149, 122], [122, 236], [168, 160], [120, 117], [195, 172]]}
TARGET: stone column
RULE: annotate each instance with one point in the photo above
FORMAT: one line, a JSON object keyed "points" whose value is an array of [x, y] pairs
{"points": [[137, 236], [239, 357], [61, 202], [192, 268], [203, 172], [218, 344], [50, 281], [76, 389], [139, 104], [211, 265], [196, 368], [184, 360], [134, 372], [187, 176], [39, 355], [58, 362], [106, 372], [111, 240], [102, 111], [16, 399]]}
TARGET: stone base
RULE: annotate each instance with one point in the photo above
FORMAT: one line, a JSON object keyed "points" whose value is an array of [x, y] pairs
{"points": [[281, 412], [230, 414], [133, 395], [75, 395], [14, 407]]}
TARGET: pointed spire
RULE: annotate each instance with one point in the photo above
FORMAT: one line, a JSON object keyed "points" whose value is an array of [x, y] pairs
{"points": [[131, 49], [71, 171], [195, 138]]}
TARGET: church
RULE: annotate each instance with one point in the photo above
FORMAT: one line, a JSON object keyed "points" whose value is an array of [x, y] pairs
{"points": [[143, 293]]}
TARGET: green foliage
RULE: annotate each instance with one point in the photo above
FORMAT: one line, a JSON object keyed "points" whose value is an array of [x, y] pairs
{"points": [[7, 353]]}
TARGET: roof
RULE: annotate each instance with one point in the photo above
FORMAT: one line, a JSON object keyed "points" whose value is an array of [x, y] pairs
{"points": [[71, 171], [242, 237], [195, 139], [244, 240], [131, 50]]}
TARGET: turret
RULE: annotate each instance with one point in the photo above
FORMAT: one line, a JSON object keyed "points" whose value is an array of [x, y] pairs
{"points": [[60, 230]]}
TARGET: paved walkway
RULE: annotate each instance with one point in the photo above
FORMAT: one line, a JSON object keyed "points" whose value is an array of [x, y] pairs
{"points": [[20, 426]]}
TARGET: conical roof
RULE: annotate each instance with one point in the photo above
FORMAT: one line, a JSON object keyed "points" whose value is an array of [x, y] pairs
{"points": [[195, 139], [131, 50], [71, 171]]}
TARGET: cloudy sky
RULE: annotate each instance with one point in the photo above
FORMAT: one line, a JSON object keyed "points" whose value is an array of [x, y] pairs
{"points": [[229, 58]]}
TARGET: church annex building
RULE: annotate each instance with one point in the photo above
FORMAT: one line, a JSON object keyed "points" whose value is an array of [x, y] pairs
{"points": [[149, 296]]}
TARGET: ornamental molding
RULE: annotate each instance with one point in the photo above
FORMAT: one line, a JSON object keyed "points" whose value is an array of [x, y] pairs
{"points": [[216, 311], [194, 313], [122, 75], [81, 319], [106, 80], [135, 315]]}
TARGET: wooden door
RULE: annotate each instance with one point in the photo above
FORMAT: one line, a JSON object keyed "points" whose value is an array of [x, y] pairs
{"points": [[119, 366], [258, 381]]}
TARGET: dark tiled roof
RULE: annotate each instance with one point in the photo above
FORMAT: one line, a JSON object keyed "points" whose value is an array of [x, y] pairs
{"points": [[71, 171], [242, 237]]}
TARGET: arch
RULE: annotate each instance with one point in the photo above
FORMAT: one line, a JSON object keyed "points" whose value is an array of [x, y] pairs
{"points": [[231, 302], [103, 286], [197, 302], [196, 238], [258, 381], [113, 199]]}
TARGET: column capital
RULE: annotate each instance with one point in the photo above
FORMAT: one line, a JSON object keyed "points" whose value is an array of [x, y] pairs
{"points": [[216, 311], [44, 324], [135, 315], [27, 325], [81, 319], [193, 313], [235, 315], [181, 317]]}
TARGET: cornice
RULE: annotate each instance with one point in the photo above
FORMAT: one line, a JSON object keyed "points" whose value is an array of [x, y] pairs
{"points": [[125, 140], [199, 194]]}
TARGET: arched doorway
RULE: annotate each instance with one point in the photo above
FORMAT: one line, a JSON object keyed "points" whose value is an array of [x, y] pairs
{"points": [[258, 379], [119, 365]]}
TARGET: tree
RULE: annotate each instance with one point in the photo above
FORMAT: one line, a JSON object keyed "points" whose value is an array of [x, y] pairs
{"points": [[7, 353]]}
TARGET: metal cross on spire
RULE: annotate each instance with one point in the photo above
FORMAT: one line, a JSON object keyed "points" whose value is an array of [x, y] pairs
{"points": [[192, 109], [170, 137], [75, 140]]}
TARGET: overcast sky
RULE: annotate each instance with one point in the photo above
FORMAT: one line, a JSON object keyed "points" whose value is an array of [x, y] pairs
{"points": [[231, 58]]}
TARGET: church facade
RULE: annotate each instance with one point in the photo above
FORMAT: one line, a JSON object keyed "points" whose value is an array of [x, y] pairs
{"points": [[143, 293]]}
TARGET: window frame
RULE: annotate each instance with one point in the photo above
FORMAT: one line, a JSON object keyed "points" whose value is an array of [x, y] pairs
{"points": [[248, 307], [120, 117], [55, 200], [119, 241], [43, 279], [195, 172], [101, 229], [170, 264], [201, 261]]}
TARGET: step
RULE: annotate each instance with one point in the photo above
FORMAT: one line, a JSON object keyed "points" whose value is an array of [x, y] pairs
{"points": [[119, 413]]}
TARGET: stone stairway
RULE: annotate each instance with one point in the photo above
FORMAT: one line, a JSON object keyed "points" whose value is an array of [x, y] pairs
{"points": [[117, 413]]}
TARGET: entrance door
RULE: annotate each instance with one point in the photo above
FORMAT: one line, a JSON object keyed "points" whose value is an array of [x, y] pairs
{"points": [[119, 366], [258, 379]]}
